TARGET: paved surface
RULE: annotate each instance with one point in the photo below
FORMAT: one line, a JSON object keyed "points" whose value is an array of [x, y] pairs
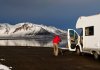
{"points": [[23, 58]]}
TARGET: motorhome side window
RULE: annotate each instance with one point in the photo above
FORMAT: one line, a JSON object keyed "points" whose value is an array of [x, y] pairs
{"points": [[89, 31]]}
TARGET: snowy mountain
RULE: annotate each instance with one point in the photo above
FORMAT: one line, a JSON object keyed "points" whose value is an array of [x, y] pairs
{"points": [[27, 29]]}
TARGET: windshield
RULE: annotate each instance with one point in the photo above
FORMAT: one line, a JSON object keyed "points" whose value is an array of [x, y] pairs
{"points": [[81, 34], [73, 38], [81, 37]]}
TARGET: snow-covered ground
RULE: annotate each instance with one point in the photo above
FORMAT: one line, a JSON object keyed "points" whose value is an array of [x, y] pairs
{"points": [[4, 67]]}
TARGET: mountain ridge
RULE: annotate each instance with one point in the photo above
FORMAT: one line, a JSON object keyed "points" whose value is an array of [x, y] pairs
{"points": [[27, 29]]}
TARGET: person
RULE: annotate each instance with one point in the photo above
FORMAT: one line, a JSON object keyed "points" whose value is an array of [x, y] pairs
{"points": [[56, 41]]}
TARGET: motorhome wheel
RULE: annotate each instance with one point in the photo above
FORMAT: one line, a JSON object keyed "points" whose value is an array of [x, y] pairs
{"points": [[96, 56], [78, 51]]}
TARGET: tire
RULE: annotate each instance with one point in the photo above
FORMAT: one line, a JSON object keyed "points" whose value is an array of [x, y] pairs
{"points": [[78, 51], [96, 56], [60, 52]]}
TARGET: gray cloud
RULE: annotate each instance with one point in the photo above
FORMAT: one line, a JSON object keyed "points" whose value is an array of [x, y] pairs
{"points": [[35, 7], [50, 11]]}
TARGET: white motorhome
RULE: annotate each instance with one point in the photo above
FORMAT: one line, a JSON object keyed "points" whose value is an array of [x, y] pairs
{"points": [[89, 39]]}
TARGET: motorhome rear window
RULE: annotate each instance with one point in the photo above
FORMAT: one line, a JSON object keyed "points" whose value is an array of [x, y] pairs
{"points": [[89, 31]]}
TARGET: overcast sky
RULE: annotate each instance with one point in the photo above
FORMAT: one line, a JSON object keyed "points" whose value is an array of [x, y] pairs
{"points": [[62, 14]]}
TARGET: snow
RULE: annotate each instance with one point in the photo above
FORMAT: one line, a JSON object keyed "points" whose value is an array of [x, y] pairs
{"points": [[21, 29], [4, 67]]}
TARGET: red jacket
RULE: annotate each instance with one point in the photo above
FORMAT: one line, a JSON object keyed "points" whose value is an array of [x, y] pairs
{"points": [[56, 39]]}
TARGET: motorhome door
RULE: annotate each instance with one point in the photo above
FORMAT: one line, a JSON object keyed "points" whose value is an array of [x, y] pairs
{"points": [[72, 39]]}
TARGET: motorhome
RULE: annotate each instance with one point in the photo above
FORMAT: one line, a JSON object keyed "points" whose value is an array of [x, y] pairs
{"points": [[89, 39]]}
